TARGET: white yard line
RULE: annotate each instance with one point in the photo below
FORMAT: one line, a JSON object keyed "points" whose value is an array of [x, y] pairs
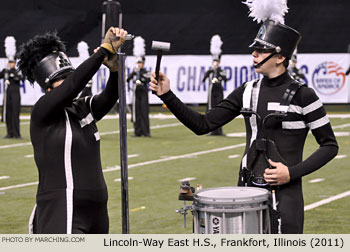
{"points": [[4, 177], [341, 126], [102, 134], [145, 163], [340, 156], [339, 134], [326, 201], [186, 179], [14, 145], [18, 186], [316, 180], [118, 179]]}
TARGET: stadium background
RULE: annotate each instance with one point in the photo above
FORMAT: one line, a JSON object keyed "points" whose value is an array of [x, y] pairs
{"points": [[188, 25]]}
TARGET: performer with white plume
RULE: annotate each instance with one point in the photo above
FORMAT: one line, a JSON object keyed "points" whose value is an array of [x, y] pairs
{"points": [[294, 71], [140, 77], [216, 76], [83, 50], [278, 112], [12, 97]]}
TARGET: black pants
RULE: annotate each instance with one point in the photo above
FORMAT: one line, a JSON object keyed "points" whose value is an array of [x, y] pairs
{"points": [[90, 215], [141, 107], [216, 95], [13, 107]]}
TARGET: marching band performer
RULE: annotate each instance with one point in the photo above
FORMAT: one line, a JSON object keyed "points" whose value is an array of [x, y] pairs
{"points": [[216, 76], [72, 194], [12, 96], [141, 78], [278, 111], [294, 71]]}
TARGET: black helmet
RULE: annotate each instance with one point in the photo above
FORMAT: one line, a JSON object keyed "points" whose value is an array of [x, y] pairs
{"points": [[276, 37], [42, 59], [217, 57], [141, 59], [53, 67]]}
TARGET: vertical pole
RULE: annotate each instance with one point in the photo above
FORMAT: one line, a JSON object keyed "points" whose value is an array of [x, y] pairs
{"points": [[113, 17], [123, 144]]}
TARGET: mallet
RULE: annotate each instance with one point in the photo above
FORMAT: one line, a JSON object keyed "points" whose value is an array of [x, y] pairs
{"points": [[160, 47]]}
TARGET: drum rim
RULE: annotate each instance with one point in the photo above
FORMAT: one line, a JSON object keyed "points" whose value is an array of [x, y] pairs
{"points": [[230, 210], [250, 199]]}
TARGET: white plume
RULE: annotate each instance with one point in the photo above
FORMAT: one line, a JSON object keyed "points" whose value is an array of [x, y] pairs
{"points": [[83, 50], [215, 45], [10, 46], [139, 47], [261, 10]]}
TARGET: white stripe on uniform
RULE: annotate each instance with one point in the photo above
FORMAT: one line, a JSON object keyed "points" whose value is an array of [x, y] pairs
{"points": [[69, 174], [318, 123], [312, 107], [87, 120]]}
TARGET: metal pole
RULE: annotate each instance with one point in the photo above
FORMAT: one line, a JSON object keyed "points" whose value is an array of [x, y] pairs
{"points": [[123, 144]]}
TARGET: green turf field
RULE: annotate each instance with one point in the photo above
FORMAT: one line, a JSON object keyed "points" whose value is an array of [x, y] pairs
{"points": [[154, 186]]}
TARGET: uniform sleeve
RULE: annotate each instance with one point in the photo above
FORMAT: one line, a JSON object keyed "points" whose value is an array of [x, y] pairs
{"points": [[316, 119], [130, 76], [223, 75], [62, 96], [199, 123], [2, 73], [103, 102], [206, 76]]}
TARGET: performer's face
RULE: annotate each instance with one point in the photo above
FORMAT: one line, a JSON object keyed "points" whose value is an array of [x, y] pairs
{"points": [[11, 65], [140, 65], [216, 64], [270, 65]]}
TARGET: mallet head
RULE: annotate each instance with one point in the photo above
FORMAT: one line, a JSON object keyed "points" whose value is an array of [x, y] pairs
{"points": [[160, 46]]}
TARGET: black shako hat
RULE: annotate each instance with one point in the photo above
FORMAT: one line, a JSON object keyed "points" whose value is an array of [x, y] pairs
{"points": [[53, 67], [43, 59], [276, 36], [141, 59]]}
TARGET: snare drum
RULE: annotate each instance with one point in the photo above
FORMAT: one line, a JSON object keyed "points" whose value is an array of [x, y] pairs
{"points": [[231, 210]]}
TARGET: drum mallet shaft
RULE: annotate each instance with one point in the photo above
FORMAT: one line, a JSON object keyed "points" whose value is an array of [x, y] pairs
{"points": [[160, 47]]}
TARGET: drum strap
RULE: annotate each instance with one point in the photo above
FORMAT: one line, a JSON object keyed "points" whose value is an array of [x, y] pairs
{"points": [[260, 145]]}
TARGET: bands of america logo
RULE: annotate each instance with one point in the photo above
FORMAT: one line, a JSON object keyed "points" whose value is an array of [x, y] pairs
{"points": [[328, 78]]}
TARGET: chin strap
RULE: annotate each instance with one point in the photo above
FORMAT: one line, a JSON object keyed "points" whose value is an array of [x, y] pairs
{"points": [[277, 50]]}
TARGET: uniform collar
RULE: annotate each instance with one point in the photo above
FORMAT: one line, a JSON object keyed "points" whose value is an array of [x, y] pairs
{"points": [[276, 81]]}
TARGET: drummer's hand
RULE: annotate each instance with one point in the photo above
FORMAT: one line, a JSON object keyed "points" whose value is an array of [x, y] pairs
{"points": [[278, 175], [160, 87]]}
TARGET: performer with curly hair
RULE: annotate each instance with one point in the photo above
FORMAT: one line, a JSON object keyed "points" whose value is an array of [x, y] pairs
{"points": [[72, 193]]}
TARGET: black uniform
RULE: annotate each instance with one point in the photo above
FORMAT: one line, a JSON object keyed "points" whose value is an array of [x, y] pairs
{"points": [[72, 193], [87, 90], [140, 107], [305, 112], [12, 101], [215, 91]]}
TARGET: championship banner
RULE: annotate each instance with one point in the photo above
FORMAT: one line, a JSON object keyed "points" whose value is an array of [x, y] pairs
{"points": [[325, 73]]}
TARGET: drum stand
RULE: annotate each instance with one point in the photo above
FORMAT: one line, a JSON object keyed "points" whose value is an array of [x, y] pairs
{"points": [[185, 194]]}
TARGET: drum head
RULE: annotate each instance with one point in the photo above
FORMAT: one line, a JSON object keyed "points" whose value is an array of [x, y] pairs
{"points": [[232, 194]]}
